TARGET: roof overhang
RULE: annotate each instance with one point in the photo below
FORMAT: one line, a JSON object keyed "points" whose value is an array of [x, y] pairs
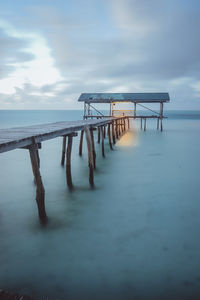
{"points": [[124, 97]]}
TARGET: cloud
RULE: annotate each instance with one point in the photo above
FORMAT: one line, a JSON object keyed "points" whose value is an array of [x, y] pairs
{"points": [[11, 52], [116, 45]]}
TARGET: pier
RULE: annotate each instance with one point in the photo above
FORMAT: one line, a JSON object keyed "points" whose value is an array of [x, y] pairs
{"points": [[113, 126], [31, 137]]}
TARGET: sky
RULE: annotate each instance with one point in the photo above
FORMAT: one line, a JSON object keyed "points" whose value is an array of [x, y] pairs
{"points": [[52, 51]]}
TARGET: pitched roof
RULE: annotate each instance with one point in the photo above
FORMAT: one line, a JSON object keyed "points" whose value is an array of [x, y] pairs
{"points": [[123, 97]]}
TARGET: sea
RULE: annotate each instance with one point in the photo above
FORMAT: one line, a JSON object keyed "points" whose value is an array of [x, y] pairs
{"points": [[136, 235]]}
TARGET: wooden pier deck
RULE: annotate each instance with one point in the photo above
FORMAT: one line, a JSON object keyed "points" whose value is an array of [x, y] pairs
{"points": [[19, 137], [31, 137]]}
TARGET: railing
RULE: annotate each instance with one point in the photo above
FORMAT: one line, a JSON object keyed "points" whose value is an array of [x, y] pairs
{"points": [[123, 112], [98, 111]]}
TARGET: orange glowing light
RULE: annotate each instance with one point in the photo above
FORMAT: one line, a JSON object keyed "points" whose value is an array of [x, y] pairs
{"points": [[129, 139]]}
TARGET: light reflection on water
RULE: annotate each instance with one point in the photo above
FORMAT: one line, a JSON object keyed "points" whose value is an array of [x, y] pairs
{"points": [[128, 139], [135, 235]]}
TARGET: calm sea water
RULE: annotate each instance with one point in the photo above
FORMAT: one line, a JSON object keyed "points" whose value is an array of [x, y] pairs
{"points": [[135, 236]]}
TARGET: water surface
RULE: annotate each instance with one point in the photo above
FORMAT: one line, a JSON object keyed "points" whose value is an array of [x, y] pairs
{"points": [[135, 236]]}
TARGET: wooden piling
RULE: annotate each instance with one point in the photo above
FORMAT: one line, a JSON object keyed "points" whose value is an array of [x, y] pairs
{"points": [[141, 123], [161, 115], [90, 156], [109, 137], [102, 142], [81, 143], [40, 192], [63, 151], [157, 123], [119, 127], [128, 123], [113, 132], [68, 162], [116, 129], [38, 158], [145, 122], [93, 148], [108, 131], [104, 131], [161, 124], [99, 135]]}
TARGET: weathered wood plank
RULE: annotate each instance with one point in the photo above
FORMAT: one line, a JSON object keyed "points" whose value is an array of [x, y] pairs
{"points": [[18, 137]]}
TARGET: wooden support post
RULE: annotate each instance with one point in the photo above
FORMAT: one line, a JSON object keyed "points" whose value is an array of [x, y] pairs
{"points": [[124, 124], [90, 156], [109, 137], [141, 123], [145, 121], [117, 129], [128, 123], [113, 132], [63, 151], [38, 158], [161, 124], [158, 123], [81, 143], [93, 148], [99, 135], [104, 131], [84, 116], [40, 192], [161, 115], [108, 130], [134, 109], [102, 142], [68, 162]]}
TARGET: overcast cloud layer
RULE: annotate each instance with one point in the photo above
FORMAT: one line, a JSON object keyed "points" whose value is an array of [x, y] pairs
{"points": [[51, 51]]}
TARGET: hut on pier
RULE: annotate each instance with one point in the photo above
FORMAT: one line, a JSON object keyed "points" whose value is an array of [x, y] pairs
{"points": [[135, 99]]}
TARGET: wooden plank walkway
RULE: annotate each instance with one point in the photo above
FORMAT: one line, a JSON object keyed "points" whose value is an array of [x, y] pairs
{"points": [[30, 138], [18, 137]]}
